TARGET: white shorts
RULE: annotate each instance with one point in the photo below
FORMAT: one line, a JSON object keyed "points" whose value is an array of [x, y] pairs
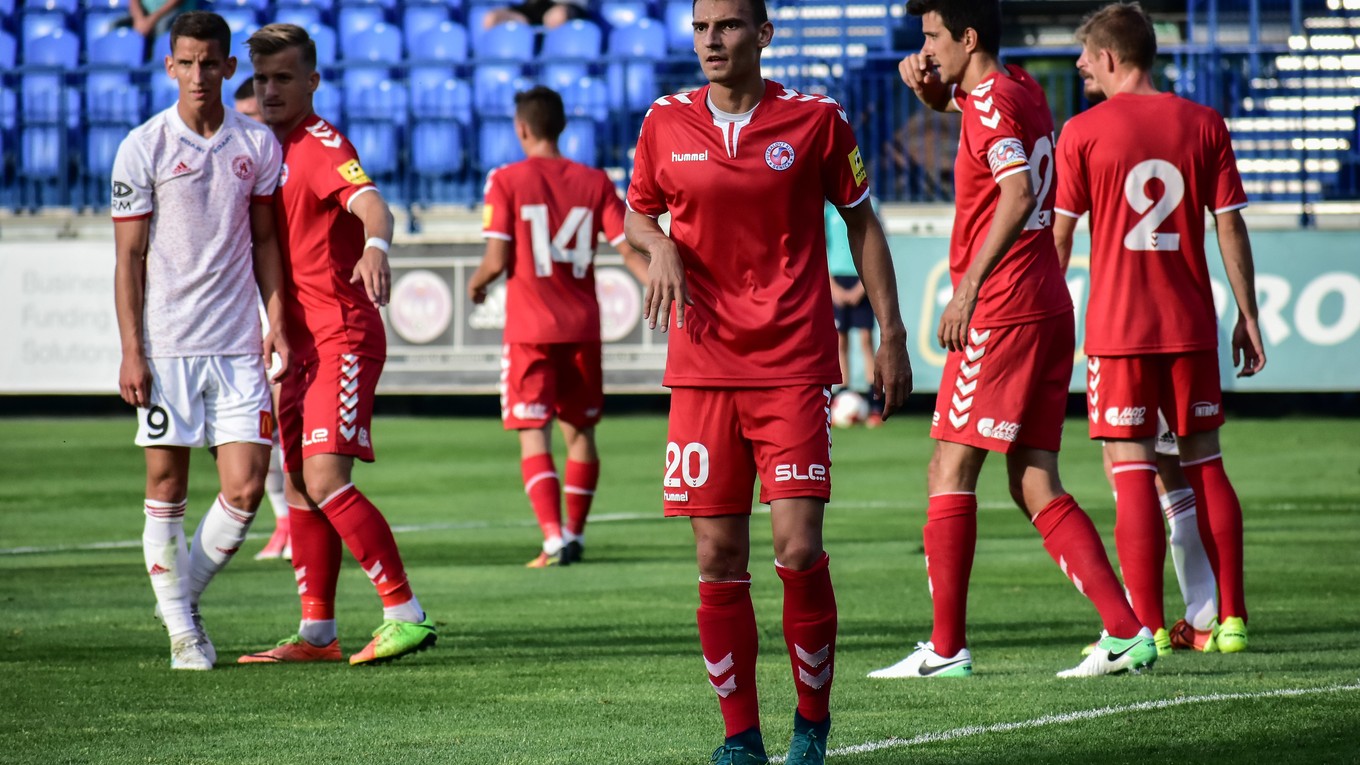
{"points": [[1166, 440], [207, 401]]}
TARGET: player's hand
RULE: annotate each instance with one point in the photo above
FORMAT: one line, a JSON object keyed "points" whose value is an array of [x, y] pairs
{"points": [[924, 81], [953, 334], [275, 344], [477, 293], [1247, 348], [134, 380], [373, 271], [665, 287], [892, 372]]}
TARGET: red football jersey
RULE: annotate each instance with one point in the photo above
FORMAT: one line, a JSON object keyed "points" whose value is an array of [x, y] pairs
{"points": [[553, 210], [322, 243], [1007, 129], [1147, 190], [746, 215]]}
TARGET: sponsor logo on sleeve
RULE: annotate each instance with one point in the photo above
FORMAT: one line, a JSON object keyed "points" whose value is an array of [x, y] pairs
{"points": [[1005, 154], [779, 156], [243, 166], [488, 211], [857, 166], [121, 190], [353, 173]]}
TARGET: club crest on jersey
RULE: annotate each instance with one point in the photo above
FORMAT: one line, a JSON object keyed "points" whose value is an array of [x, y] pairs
{"points": [[283, 174], [779, 156], [354, 173], [242, 166]]}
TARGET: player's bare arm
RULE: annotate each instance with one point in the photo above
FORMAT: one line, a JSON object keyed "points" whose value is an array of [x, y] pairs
{"points": [[636, 262], [372, 268], [1064, 227], [268, 262], [1235, 244], [925, 82], [878, 279], [1013, 209], [665, 274], [494, 261], [129, 292]]}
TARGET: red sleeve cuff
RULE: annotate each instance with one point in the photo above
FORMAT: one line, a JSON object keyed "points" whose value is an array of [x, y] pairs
{"points": [[123, 218]]}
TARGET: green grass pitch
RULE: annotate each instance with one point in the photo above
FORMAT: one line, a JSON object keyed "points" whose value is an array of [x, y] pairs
{"points": [[599, 663]]}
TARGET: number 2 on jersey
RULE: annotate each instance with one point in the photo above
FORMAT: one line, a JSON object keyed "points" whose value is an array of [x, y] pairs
{"points": [[1143, 237], [1041, 176], [579, 225]]}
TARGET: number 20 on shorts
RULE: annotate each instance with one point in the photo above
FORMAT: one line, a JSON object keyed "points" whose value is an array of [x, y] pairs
{"points": [[689, 461]]}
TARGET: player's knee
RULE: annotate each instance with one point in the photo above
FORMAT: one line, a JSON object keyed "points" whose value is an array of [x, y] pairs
{"points": [[166, 488], [721, 560], [246, 495], [799, 554]]}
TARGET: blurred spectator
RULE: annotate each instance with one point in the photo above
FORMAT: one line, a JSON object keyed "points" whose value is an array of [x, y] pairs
{"points": [[545, 13], [246, 103], [152, 18]]}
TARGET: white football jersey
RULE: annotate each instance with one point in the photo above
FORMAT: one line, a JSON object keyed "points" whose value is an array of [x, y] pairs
{"points": [[201, 296]]}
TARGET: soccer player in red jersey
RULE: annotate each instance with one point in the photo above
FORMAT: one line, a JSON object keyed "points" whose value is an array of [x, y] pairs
{"points": [[743, 165], [543, 216], [1151, 331], [1010, 333], [335, 282]]}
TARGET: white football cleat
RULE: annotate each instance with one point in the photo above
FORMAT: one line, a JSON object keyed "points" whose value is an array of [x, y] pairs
{"points": [[1114, 655], [924, 662], [209, 649], [191, 652]]}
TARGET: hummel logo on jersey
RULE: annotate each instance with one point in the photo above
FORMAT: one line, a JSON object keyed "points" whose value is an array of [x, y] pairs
{"points": [[325, 134], [180, 169], [690, 157], [677, 496], [990, 116]]}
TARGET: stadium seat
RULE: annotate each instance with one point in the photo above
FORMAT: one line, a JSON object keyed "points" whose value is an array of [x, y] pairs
{"points": [[354, 19], [375, 135], [244, 71], [588, 97], [254, 5], [632, 81], [164, 92], [68, 7], [300, 15], [449, 100], [416, 20], [496, 81], [441, 115], [494, 89], [101, 148], [109, 97], [101, 22], [324, 38], [120, 47], [425, 77], [9, 109], [44, 89], [622, 13], [497, 145], [577, 142], [679, 20], [323, 7], [160, 48], [239, 18], [447, 41], [510, 41], [567, 53], [380, 43], [41, 24], [8, 50], [326, 102]]}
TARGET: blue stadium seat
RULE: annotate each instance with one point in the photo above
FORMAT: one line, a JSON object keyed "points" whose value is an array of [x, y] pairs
{"points": [[378, 43], [239, 19], [426, 77], [45, 95], [324, 7], [164, 92], [253, 5], [496, 81], [6, 9], [497, 144], [324, 38], [449, 100], [441, 115], [354, 19], [326, 102], [120, 47], [9, 109], [375, 135], [447, 41], [160, 47], [101, 147], [416, 20], [632, 83], [512, 41], [109, 97], [41, 24], [384, 4], [679, 19], [622, 13], [8, 50], [101, 22], [300, 15], [68, 7], [495, 88], [588, 97], [577, 142], [567, 53], [244, 71]]}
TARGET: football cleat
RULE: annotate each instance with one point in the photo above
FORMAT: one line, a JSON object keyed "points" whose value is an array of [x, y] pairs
{"points": [[545, 560], [280, 544], [394, 639], [294, 650], [924, 662], [1187, 638], [1114, 655], [190, 652], [1231, 635], [208, 647], [742, 749], [1162, 641], [808, 745], [573, 551]]}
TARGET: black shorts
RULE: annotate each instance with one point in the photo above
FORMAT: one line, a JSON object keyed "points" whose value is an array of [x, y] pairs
{"points": [[534, 10], [858, 316]]}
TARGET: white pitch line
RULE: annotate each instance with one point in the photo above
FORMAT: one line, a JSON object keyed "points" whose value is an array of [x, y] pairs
{"points": [[1079, 716]]}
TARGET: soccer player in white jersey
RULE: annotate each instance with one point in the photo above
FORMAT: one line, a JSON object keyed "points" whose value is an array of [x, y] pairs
{"points": [[196, 252]]}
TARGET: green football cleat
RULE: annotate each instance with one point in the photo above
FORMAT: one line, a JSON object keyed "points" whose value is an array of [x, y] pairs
{"points": [[1113, 656], [394, 639], [808, 746], [1231, 635], [1162, 639], [742, 749]]}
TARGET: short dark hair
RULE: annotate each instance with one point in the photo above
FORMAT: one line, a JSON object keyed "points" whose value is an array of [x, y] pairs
{"points": [[1125, 30], [540, 107], [245, 90], [982, 16], [277, 38], [201, 25], [759, 12]]}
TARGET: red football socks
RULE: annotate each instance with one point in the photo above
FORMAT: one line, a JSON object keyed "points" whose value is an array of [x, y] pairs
{"points": [[582, 478], [369, 539], [1072, 541], [810, 633], [1220, 528], [316, 562], [727, 635], [544, 490], [950, 539], [1140, 539]]}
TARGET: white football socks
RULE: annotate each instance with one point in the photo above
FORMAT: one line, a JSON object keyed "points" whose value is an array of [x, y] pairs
{"points": [[217, 539], [318, 632], [410, 611], [1193, 571], [167, 563]]}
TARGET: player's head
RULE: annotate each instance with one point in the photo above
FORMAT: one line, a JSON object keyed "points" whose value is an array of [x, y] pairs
{"points": [[955, 30], [539, 115], [1114, 39], [284, 57], [729, 36], [199, 60], [246, 103]]}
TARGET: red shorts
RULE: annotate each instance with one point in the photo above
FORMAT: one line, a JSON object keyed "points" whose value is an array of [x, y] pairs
{"points": [[720, 439], [543, 380], [1008, 387], [326, 407], [1123, 394]]}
